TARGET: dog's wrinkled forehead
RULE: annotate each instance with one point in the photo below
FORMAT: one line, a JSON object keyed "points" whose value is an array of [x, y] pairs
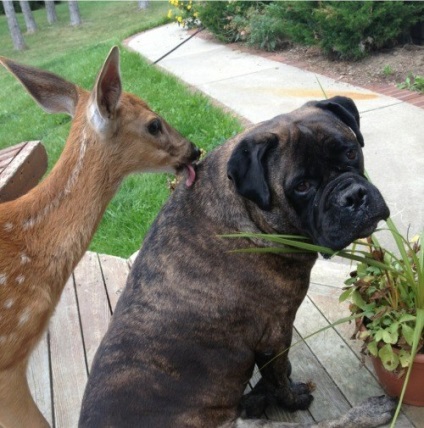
{"points": [[337, 115], [344, 110]]}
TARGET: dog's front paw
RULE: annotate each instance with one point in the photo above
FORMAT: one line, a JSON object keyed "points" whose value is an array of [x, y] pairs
{"points": [[373, 412], [254, 404], [297, 397]]}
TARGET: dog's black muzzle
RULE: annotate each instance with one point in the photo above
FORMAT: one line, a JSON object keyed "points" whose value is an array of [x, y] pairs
{"points": [[348, 208]]}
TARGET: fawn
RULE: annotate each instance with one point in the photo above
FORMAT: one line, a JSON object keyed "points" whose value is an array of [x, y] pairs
{"points": [[44, 233]]}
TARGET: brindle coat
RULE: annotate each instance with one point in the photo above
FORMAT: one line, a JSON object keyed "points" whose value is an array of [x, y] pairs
{"points": [[194, 316]]}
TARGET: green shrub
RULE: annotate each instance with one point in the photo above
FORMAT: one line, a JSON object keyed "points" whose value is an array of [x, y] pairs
{"points": [[266, 31], [352, 29], [228, 21], [346, 30], [297, 19]]}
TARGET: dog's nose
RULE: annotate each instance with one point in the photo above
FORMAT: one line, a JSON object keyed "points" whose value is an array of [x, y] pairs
{"points": [[354, 197]]}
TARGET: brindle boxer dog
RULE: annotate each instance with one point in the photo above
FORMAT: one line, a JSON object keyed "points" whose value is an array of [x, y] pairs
{"points": [[194, 318]]}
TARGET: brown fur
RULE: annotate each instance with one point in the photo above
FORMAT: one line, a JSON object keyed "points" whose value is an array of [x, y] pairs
{"points": [[44, 233]]}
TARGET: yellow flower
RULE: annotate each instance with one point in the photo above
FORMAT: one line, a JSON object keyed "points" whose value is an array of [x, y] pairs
{"points": [[189, 7], [195, 14], [180, 19], [169, 14]]}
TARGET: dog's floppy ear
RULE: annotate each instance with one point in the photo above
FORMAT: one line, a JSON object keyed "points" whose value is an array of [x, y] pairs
{"points": [[345, 109], [247, 168]]}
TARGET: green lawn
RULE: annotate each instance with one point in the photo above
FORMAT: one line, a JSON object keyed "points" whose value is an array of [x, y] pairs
{"points": [[77, 54]]}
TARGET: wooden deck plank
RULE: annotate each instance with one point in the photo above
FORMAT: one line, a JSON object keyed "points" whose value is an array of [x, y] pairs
{"points": [[326, 299], [24, 171], [329, 402], [92, 302], [69, 370], [8, 153], [340, 361], [39, 379], [115, 271], [330, 273]]}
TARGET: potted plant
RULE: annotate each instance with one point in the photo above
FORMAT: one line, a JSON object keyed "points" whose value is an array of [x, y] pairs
{"points": [[387, 291]]}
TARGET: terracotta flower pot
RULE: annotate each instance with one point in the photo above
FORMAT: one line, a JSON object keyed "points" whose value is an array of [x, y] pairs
{"points": [[392, 384]]}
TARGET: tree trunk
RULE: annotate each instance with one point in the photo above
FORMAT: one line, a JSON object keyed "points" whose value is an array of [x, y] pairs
{"points": [[12, 22], [29, 18], [74, 13], [51, 11], [143, 4]]}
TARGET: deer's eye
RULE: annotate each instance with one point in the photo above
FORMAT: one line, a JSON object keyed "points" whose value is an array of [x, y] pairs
{"points": [[154, 127]]}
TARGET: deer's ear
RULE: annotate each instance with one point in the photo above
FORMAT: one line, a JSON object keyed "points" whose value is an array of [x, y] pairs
{"points": [[107, 90], [51, 92]]}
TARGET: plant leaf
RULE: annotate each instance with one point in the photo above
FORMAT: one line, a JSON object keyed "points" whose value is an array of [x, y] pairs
{"points": [[393, 327], [345, 295], [388, 357], [358, 300], [372, 348], [408, 334], [389, 337], [406, 318], [405, 358]]}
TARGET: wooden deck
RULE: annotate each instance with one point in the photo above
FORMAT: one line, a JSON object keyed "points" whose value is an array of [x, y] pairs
{"points": [[60, 365], [21, 168]]}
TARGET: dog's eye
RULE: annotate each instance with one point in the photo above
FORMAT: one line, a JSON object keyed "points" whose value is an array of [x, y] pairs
{"points": [[154, 127], [303, 187], [351, 154]]}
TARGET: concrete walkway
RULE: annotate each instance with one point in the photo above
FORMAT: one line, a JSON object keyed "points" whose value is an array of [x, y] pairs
{"points": [[257, 89]]}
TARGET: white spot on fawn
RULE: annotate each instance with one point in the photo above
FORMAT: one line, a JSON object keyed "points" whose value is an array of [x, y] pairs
{"points": [[3, 339], [24, 317], [24, 259], [8, 303], [3, 279], [28, 223], [8, 227], [20, 279]]}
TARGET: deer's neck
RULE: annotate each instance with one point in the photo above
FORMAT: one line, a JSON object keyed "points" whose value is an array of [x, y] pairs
{"points": [[58, 218]]}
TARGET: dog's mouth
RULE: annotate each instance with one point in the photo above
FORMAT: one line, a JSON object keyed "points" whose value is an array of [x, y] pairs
{"points": [[370, 228], [336, 240]]}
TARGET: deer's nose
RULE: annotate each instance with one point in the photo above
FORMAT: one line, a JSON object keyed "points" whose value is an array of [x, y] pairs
{"points": [[195, 153]]}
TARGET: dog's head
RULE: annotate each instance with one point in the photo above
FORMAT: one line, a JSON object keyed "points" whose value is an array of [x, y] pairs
{"points": [[308, 167]]}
